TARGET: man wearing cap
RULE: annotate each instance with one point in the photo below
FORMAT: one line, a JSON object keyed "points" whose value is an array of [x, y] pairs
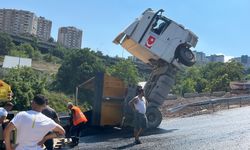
{"points": [[78, 120], [32, 126]]}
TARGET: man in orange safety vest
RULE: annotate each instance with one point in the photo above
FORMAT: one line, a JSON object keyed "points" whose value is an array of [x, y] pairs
{"points": [[78, 120]]}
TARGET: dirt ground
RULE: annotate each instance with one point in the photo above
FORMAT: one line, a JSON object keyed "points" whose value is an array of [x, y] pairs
{"points": [[197, 110]]}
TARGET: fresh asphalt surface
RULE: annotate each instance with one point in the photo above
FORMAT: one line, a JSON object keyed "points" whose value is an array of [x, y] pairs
{"points": [[223, 130]]}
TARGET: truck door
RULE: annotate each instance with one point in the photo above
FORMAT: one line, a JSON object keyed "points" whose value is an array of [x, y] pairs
{"points": [[154, 40]]}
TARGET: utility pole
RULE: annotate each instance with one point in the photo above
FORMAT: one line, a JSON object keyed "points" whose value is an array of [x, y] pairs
{"points": [[77, 88], [76, 97]]}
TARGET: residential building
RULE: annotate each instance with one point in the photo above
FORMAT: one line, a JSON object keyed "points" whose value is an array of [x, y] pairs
{"points": [[216, 58], [43, 29], [21, 22], [200, 57], [244, 60], [14, 21], [70, 37]]}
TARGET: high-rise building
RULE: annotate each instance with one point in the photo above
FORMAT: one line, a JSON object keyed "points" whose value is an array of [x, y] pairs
{"points": [[244, 60], [70, 37], [14, 21], [43, 29], [200, 57], [216, 58], [20, 22]]}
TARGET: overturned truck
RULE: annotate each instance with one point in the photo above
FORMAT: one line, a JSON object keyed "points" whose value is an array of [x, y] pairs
{"points": [[165, 45], [157, 41]]}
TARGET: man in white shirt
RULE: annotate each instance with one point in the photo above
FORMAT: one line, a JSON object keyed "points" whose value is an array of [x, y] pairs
{"points": [[32, 126], [139, 105]]}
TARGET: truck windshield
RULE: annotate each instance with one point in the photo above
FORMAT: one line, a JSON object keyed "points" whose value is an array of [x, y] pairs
{"points": [[160, 25]]}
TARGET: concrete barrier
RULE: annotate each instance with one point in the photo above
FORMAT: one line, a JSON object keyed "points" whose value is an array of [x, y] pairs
{"points": [[204, 94], [190, 95], [218, 94], [171, 97]]}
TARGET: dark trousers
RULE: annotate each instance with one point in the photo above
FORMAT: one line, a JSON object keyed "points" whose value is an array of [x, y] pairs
{"points": [[49, 144], [75, 132]]}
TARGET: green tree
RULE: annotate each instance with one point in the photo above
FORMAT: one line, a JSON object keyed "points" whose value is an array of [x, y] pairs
{"points": [[219, 75], [234, 70], [201, 85], [58, 51], [188, 86], [124, 70], [189, 80], [77, 67], [247, 77], [25, 83], [212, 70], [5, 44], [51, 58], [208, 78], [27, 48], [220, 84], [18, 53]]}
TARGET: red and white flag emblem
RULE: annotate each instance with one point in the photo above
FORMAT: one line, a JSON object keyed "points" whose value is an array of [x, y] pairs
{"points": [[150, 41]]}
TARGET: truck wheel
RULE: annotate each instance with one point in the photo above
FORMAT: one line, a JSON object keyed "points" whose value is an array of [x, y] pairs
{"points": [[186, 56], [154, 117]]}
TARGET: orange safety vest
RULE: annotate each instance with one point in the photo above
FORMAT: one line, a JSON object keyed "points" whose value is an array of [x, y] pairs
{"points": [[78, 116]]}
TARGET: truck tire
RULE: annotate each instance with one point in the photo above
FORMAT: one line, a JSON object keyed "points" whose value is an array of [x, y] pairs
{"points": [[154, 117], [186, 56]]}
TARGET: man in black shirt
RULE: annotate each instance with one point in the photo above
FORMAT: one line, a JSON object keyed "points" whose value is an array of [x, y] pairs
{"points": [[51, 113]]}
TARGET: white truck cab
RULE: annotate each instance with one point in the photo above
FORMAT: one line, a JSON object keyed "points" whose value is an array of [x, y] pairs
{"points": [[154, 37], [165, 45]]}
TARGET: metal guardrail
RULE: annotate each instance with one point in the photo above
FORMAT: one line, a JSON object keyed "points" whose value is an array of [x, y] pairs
{"points": [[212, 102]]}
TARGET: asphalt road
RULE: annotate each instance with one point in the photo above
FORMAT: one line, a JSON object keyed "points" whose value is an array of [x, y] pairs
{"points": [[223, 130]]}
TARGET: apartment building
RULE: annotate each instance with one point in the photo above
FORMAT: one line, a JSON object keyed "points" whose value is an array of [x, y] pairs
{"points": [[19, 22], [244, 60], [216, 58], [14, 21], [70, 37], [200, 57], [43, 29]]}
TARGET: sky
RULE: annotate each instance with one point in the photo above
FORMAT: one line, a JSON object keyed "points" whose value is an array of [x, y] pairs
{"points": [[223, 26]]}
